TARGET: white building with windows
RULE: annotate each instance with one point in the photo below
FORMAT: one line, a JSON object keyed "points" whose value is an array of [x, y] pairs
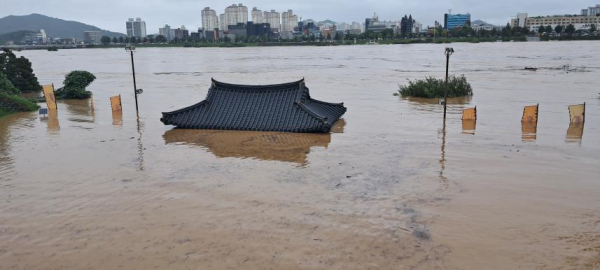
{"points": [[235, 14], [257, 16], [166, 32], [288, 21], [136, 28], [222, 22], [210, 20], [578, 21], [274, 19], [591, 11]]}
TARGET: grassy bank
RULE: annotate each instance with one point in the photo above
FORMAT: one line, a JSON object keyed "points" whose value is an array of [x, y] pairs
{"points": [[12, 104]]}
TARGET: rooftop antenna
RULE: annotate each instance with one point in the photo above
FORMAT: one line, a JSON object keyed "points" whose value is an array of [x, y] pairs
{"points": [[449, 11]]}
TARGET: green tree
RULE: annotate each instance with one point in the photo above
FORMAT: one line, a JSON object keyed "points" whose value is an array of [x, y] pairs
{"points": [[549, 29], [132, 40], [74, 85], [121, 40], [541, 29], [593, 28], [105, 40], [558, 29], [570, 29], [160, 39], [115, 40], [18, 70], [145, 40]]}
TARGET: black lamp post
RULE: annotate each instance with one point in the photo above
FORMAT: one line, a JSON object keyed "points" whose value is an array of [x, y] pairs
{"points": [[448, 52], [131, 49]]}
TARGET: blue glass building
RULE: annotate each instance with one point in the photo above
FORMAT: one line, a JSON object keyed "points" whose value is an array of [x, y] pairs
{"points": [[452, 21]]}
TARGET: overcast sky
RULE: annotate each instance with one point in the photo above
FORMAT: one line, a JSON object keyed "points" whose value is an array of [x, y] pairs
{"points": [[112, 14]]}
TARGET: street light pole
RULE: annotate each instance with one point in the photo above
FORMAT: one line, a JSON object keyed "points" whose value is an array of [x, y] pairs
{"points": [[130, 48], [448, 52]]}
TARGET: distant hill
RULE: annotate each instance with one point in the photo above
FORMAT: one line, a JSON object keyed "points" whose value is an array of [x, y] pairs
{"points": [[16, 36], [54, 27]]}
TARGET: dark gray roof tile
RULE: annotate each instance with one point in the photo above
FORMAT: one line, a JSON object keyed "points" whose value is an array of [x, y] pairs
{"points": [[284, 107]]}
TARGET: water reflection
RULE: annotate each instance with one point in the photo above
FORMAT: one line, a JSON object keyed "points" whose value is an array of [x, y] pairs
{"points": [[468, 126], [117, 118], [575, 132], [53, 124], [433, 104], [79, 110], [140, 146], [529, 131], [6, 161], [286, 147], [443, 179]]}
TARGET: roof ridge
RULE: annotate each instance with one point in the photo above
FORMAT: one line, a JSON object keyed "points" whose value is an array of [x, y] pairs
{"points": [[311, 113], [256, 87]]}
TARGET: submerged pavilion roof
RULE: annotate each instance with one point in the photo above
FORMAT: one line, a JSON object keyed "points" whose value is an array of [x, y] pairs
{"points": [[282, 107]]}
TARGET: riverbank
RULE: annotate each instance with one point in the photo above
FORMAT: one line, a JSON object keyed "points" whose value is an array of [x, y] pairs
{"points": [[222, 44], [10, 104]]}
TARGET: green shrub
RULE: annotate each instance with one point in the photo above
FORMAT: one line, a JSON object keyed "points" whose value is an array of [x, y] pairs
{"points": [[13, 103], [74, 85], [6, 86], [434, 88]]}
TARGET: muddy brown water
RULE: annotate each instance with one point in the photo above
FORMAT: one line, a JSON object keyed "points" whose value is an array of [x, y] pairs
{"points": [[388, 189]]}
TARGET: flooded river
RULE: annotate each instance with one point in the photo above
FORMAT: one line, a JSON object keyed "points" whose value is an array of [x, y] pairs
{"points": [[389, 188]]}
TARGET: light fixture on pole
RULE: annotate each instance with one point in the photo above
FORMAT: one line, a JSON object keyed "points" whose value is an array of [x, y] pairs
{"points": [[449, 51], [131, 49]]}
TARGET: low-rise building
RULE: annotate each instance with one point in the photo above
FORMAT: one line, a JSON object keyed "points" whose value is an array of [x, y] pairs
{"points": [[92, 37], [580, 22]]}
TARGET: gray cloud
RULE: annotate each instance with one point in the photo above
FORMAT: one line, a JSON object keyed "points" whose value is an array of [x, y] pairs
{"points": [[112, 14]]}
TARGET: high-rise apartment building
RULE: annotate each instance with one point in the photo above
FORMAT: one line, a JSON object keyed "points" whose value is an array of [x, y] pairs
{"points": [[257, 16], [166, 32], [222, 25], [136, 28], [235, 14], [288, 21], [591, 11], [406, 26], [519, 21], [273, 19], [210, 20]]}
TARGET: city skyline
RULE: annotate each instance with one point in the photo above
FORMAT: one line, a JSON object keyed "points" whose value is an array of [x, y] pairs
{"points": [[187, 12]]}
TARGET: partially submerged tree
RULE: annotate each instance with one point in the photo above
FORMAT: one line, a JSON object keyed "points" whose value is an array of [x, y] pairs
{"points": [[74, 85], [18, 70], [434, 88], [570, 29], [558, 29]]}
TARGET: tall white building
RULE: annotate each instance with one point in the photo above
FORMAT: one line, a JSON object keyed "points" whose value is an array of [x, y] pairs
{"points": [[210, 21], [257, 16], [273, 19], [288, 21], [136, 28], [591, 11], [166, 32], [235, 14], [222, 25]]}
